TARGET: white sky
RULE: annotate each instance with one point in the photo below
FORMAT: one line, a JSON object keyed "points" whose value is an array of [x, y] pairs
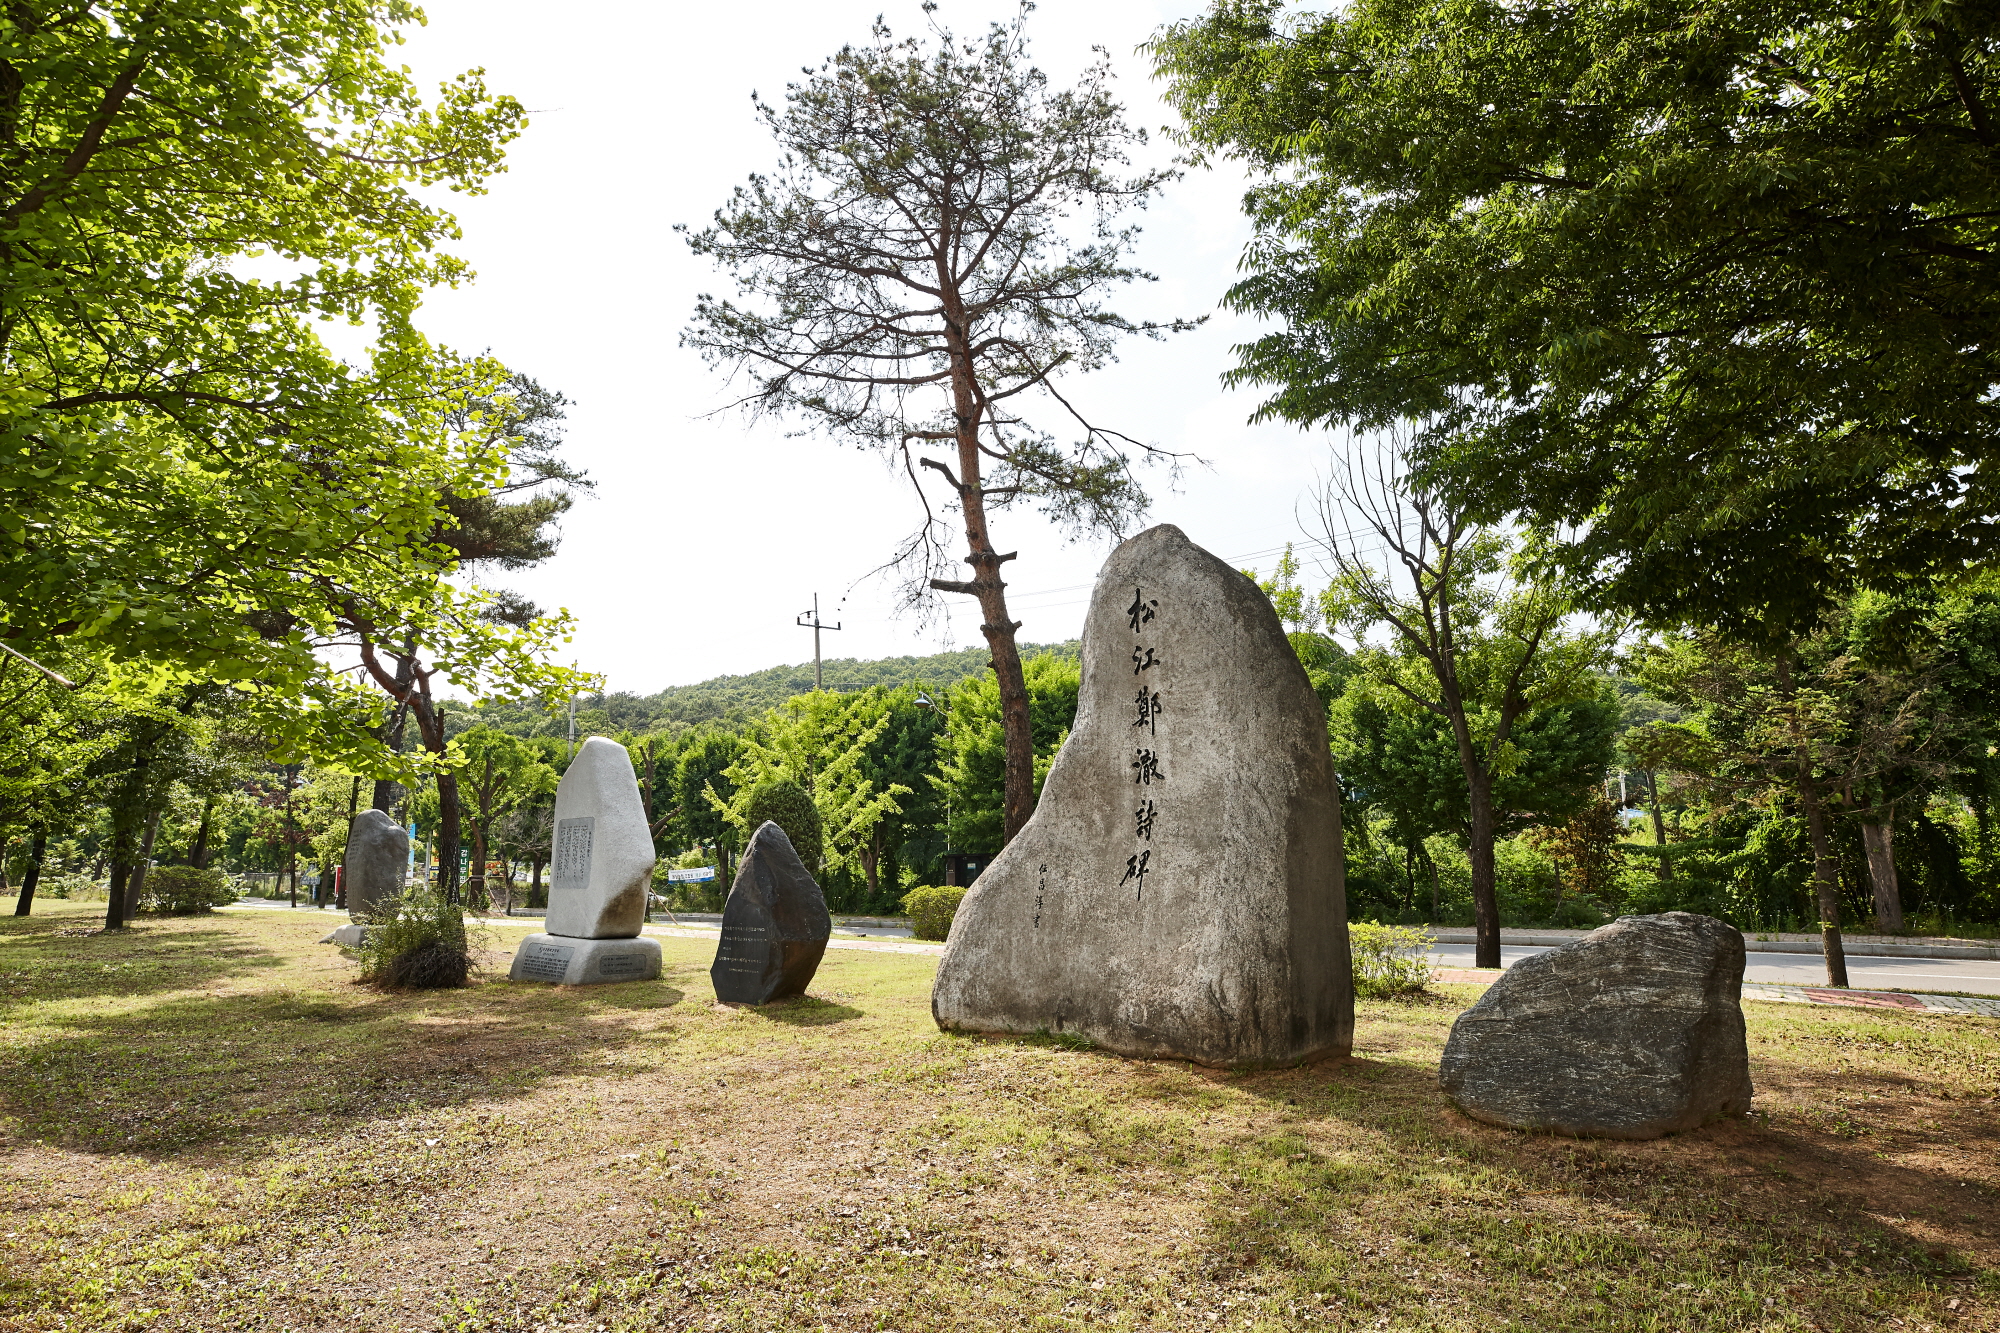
{"points": [[707, 536]]}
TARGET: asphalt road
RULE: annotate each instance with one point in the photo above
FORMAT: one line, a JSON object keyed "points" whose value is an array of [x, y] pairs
{"points": [[1969, 976]]}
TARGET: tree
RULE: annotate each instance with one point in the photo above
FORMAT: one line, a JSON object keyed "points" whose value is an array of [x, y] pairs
{"points": [[1716, 286], [821, 742], [1465, 644], [972, 753], [186, 471], [781, 801], [703, 767], [501, 773], [910, 276]]}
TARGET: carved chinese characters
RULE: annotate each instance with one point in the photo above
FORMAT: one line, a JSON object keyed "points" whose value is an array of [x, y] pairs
{"points": [[1178, 891]]}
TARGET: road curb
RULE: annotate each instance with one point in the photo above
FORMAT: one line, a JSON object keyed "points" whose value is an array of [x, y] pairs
{"points": [[1854, 949]]}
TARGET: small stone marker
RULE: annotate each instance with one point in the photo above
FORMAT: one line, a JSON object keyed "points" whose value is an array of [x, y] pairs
{"points": [[774, 925], [1633, 1031], [377, 861], [600, 873], [1179, 890]]}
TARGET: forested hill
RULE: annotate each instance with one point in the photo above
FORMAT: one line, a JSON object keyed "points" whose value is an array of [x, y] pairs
{"points": [[730, 699]]}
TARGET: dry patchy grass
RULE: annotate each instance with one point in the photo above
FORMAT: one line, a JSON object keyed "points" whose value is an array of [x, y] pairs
{"points": [[207, 1125]]}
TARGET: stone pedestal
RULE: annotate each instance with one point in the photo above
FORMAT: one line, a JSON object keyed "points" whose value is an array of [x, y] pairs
{"points": [[774, 926], [1178, 892], [1633, 1031], [565, 960]]}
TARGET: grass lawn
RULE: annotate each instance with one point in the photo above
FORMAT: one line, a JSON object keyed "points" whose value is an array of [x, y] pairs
{"points": [[207, 1124]]}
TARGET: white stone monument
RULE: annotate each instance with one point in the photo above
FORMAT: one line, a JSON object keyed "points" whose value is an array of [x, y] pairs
{"points": [[600, 872]]}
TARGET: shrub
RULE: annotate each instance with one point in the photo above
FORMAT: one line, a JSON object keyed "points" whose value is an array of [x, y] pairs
{"points": [[785, 803], [1388, 960], [930, 908], [417, 941], [186, 890], [75, 887]]}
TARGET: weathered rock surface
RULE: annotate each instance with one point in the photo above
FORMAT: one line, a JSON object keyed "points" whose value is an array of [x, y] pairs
{"points": [[376, 862], [566, 960], [1178, 892], [601, 867], [1633, 1031], [774, 925]]}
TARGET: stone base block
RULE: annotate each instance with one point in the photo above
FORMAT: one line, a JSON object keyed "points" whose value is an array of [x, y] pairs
{"points": [[568, 961], [348, 936]]}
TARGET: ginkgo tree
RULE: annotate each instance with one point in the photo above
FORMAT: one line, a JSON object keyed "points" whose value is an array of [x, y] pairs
{"points": [[188, 473]]}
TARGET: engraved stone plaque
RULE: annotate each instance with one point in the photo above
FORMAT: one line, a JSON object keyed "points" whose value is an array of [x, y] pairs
{"points": [[545, 963], [570, 866]]}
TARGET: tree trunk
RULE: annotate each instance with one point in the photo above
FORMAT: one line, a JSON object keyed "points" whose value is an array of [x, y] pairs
{"points": [[1826, 869], [535, 885], [1826, 877], [135, 893], [475, 883], [125, 817], [387, 790], [32, 874], [1485, 906], [1665, 869], [871, 860], [1018, 792], [198, 851], [1879, 840]]}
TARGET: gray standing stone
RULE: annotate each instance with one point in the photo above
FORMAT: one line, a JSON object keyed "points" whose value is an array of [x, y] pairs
{"points": [[1633, 1031], [601, 863], [774, 926], [376, 862], [1178, 892]]}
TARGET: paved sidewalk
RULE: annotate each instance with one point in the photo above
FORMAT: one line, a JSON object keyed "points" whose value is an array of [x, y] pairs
{"points": [[1875, 999], [870, 946]]}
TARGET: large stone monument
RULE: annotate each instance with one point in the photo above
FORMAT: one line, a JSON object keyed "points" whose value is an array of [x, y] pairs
{"points": [[1633, 1031], [774, 925], [600, 872], [374, 867], [1178, 892]]}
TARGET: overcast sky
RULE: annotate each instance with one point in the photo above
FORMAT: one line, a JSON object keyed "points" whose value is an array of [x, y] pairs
{"points": [[707, 535]]}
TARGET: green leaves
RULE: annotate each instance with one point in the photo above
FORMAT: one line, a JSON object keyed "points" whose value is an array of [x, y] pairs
{"points": [[1709, 294], [189, 475]]}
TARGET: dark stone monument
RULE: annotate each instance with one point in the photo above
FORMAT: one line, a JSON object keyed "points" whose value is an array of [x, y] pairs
{"points": [[1178, 893], [774, 925], [376, 862], [1634, 1031]]}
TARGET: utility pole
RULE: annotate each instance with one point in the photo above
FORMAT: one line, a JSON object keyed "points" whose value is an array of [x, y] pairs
{"points": [[814, 625], [572, 728]]}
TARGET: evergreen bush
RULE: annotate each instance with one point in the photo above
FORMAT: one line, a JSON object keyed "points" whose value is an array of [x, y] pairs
{"points": [[931, 908], [186, 890], [786, 804], [416, 941]]}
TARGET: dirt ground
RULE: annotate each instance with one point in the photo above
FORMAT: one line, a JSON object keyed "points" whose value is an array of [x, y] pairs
{"points": [[206, 1124]]}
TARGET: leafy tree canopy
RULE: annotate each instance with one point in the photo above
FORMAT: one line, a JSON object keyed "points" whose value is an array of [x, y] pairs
{"points": [[1716, 283]]}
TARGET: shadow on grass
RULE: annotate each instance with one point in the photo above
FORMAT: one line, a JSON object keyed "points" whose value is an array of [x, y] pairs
{"points": [[64, 958], [1644, 1223], [807, 1011], [193, 1074]]}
